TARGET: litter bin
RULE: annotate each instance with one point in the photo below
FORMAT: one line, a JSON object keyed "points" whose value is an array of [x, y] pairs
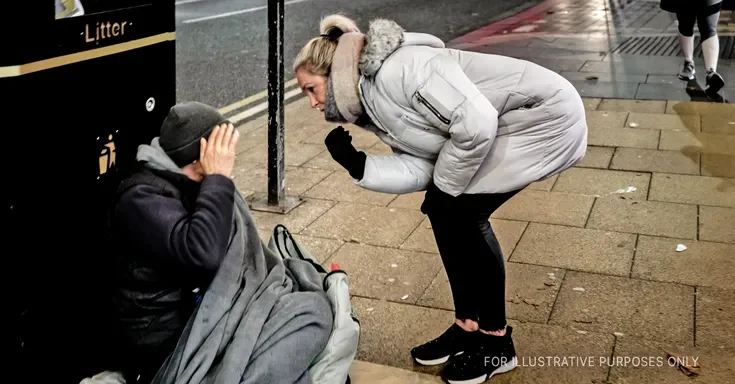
{"points": [[84, 82]]}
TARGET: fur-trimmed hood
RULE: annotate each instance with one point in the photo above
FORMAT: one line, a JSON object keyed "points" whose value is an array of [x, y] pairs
{"points": [[383, 38]]}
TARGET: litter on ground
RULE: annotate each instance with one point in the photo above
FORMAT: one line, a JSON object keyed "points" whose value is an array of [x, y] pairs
{"points": [[627, 190], [688, 365], [681, 248]]}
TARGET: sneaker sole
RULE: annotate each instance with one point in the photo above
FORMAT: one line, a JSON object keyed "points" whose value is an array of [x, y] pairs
{"points": [[438, 361], [507, 367], [692, 77]]}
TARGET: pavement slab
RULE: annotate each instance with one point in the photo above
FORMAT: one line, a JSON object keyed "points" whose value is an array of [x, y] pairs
{"points": [[656, 363], [687, 123], [366, 224], [297, 220], [715, 224], [718, 165], [408, 201], [700, 108], [547, 354], [635, 308], [340, 186], [645, 217], [544, 185], [651, 160], [363, 372], [559, 208], [604, 183], [623, 90], [295, 153], [639, 106], [700, 264], [716, 318], [697, 142], [297, 180], [606, 119], [591, 103], [596, 157], [576, 249], [389, 330], [323, 161], [320, 249], [387, 273], [623, 137], [723, 124], [689, 189]]}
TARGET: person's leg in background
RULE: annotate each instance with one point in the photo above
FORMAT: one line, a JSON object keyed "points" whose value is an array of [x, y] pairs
{"points": [[687, 18], [475, 266], [707, 19]]}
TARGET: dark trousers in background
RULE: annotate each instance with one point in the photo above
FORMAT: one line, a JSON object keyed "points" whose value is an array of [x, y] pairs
{"points": [[470, 253]]}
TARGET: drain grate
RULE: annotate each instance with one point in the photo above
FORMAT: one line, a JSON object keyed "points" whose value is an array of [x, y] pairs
{"points": [[669, 46]]}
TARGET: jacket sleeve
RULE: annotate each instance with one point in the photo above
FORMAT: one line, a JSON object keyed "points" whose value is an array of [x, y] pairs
{"points": [[449, 100], [162, 226], [399, 174]]}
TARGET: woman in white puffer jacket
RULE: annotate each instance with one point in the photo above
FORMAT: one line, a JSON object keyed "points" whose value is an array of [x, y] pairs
{"points": [[471, 130]]}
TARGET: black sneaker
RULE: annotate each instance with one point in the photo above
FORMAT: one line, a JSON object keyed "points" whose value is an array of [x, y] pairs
{"points": [[453, 341], [489, 356], [714, 81]]}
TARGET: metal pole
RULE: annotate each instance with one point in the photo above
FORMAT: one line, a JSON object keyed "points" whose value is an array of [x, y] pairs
{"points": [[277, 201], [276, 189]]}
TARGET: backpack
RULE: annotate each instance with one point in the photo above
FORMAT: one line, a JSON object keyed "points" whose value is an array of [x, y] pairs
{"points": [[333, 364]]}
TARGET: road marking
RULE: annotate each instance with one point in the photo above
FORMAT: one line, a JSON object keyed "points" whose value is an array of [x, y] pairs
{"points": [[260, 108], [182, 2], [234, 13], [239, 104]]}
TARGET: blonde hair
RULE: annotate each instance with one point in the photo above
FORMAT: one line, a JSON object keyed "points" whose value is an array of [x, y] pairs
{"points": [[316, 56]]}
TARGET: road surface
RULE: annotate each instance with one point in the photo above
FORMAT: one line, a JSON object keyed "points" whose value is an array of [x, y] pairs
{"points": [[222, 45]]}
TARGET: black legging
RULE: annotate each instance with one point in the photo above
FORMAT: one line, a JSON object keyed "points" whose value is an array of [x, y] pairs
{"points": [[471, 254], [705, 16]]}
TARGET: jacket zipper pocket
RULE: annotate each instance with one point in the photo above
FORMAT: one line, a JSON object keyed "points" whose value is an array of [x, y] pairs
{"points": [[432, 109]]}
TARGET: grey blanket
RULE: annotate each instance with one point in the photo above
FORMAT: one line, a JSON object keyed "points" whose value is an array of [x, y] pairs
{"points": [[260, 320]]}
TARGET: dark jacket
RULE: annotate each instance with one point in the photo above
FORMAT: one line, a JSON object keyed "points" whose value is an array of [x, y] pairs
{"points": [[169, 234]]}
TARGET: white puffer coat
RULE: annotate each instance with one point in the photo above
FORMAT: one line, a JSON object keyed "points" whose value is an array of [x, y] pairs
{"points": [[472, 122]]}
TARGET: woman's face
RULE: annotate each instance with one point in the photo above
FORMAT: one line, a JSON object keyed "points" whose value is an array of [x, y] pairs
{"points": [[314, 86]]}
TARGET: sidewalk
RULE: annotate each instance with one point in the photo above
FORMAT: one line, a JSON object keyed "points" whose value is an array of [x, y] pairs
{"points": [[620, 49], [574, 231], [593, 269]]}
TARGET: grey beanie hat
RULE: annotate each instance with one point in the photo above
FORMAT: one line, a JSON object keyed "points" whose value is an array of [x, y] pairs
{"points": [[183, 128]]}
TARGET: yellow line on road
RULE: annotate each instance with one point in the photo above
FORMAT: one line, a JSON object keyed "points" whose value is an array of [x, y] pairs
{"points": [[239, 104], [261, 107]]}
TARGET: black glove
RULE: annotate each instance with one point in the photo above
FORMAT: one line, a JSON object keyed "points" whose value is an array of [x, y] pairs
{"points": [[339, 145]]}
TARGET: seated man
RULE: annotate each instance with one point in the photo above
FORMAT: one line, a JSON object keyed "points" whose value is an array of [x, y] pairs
{"points": [[193, 279]]}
